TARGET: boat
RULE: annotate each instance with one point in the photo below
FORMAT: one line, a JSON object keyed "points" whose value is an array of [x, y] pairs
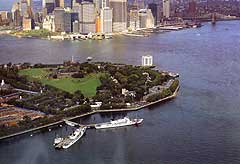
{"points": [[57, 140], [74, 137], [119, 123]]}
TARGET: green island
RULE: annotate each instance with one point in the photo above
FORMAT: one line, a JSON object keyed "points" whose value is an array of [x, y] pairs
{"points": [[72, 89], [42, 33]]}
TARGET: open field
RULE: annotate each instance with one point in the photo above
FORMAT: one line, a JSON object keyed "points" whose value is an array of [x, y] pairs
{"points": [[86, 85]]}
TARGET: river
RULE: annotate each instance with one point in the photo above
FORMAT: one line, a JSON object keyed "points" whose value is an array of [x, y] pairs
{"points": [[200, 126]]}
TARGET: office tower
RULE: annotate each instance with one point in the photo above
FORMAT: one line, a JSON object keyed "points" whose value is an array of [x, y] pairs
{"points": [[75, 27], [49, 7], [44, 2], [87, 19], [154, 9], [29, 3], [146, 19], [119, 14], [166, 8], [192, 8], [68, 3], [17, 18], [59, 14], [134, 20], [67, 22], [28, 24], [59, 3], [104, 3], [106, 20], [24, 8]]}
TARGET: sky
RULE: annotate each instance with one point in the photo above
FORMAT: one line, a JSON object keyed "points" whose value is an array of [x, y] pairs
{"points": [[7, 4]]}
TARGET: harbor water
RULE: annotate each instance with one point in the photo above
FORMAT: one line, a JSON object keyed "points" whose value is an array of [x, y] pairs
{"points": [[200, 126]]}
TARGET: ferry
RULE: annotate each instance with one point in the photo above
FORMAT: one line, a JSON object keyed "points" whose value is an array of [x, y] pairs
{"points": [[119, 123], [64, 143]]}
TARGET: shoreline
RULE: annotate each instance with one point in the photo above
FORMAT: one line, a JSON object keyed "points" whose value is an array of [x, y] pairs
{"points": [[174, 95]]}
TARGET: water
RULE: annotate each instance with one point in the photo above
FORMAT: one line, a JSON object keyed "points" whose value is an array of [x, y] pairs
{"points": [[200, 126]]}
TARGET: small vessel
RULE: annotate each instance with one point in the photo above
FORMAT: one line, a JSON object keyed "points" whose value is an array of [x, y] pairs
{"points": [[119, 123], [57, 140], [74, 137], [89, 58]]}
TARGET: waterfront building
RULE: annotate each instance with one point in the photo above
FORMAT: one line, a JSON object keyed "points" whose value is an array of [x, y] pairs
{"points": [[134, 22], [49, 23], [147, 60], [166, 8], [28, 24], [155, 11], [74, 17], [67, 22], [106, 20], [146, 19], [59, 15], [119, 14], [75, 27], [6, 15]]}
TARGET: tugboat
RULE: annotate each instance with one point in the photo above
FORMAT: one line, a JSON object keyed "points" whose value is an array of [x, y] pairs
{"points": [[119, 123]]}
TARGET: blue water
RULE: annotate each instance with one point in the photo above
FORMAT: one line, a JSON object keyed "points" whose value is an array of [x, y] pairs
{"points": [[200, 126]]}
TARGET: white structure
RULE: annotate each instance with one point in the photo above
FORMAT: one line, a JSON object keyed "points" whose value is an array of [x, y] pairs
{"points": [[2, 83], [106, 20], [147, 60], [49, 23], [166, 8], [146, 19], [134, 20]]}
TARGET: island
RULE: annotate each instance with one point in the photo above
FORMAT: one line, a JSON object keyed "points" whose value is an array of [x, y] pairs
{"points": [[36, 96]]}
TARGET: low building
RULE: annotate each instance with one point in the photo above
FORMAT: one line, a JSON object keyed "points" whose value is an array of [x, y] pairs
{"points": [[147, 61], [49, 23], [28, 24]]}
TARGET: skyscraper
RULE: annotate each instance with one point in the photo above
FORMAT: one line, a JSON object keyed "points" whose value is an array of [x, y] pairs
{"points": [[106, 20], [44, 2], [166, 8], [119, 14], [154, 9], [59, 3], [59, 14]]}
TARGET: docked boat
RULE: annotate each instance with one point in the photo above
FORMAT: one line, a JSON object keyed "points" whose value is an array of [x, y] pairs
{"points": [[74, 137], [119, 123], [64, 143]]}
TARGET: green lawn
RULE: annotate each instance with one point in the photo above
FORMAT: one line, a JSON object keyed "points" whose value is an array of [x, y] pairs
{"points": [[87, 85]]}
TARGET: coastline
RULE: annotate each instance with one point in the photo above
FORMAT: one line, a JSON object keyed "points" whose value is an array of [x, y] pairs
{"points": [[174, 95]]}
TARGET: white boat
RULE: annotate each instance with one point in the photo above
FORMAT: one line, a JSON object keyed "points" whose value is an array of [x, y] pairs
{"points": [[57, 140], [74, 137], [119, 123]]}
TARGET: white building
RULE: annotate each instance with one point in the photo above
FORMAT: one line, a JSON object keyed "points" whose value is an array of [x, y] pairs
{"points": [[147, 60], [134, 20], [166, 8], [106, 20], [49, 23], [146, 19]]}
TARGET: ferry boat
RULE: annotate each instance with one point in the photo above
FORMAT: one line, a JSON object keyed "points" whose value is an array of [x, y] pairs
{"points": [[119, 123], [64, 143], [74, 137]]}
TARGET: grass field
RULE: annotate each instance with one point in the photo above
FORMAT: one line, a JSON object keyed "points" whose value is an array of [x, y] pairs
{"points": [[86, 85]]}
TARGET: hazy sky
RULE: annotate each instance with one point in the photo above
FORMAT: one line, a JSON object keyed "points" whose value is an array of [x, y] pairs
{"points": [[7, 4]]}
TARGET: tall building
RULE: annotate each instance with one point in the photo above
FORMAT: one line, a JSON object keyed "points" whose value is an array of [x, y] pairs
{"points": [[154, 9], [17, 18], [59, 3], [28, 24], [119, 14], [106, 20], [49, 23], [59, 15], [44, 2], [134, 20], [49, 7], [192, 8], [166, 8], [87, 19], [29, 3], [67, 22], [146, 19]]}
